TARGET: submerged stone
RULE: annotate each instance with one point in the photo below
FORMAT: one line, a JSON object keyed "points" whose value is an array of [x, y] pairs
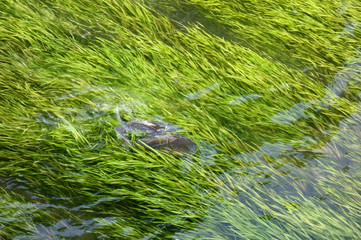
{"points": [[154, 135]]}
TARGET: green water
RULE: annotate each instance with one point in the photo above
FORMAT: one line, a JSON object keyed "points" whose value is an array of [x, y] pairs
{"points": [[268, 90]]}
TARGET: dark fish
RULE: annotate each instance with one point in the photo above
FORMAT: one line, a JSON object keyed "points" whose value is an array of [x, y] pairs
{"points": [[170, 142], [153, 135]]}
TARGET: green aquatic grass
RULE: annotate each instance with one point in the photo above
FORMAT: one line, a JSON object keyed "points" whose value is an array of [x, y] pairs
{"points": [[270, 91], [294, 33], [291, 202]]}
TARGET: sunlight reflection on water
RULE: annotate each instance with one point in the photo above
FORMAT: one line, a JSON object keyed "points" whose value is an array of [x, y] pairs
{"points": [[254, 192], [291, 115], [201, 93], [68, 228], [299, 174], [244, 98], [350, 73]]}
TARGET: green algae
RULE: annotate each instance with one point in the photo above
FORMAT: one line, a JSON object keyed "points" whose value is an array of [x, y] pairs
{"points": [[269, 90]]}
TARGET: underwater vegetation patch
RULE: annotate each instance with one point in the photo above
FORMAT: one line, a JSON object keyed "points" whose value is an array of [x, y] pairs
{"points": [[264, 94]]}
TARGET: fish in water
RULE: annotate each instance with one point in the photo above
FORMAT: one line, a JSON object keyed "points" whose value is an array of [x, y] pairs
{"points": [[155, 135]]}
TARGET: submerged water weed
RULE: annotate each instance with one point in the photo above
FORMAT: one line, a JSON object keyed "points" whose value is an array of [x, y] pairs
{"points": [[269, 91], [281, 200]]}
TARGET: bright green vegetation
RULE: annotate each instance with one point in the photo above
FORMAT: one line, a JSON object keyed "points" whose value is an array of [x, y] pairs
{"points": [[269, 90]]}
